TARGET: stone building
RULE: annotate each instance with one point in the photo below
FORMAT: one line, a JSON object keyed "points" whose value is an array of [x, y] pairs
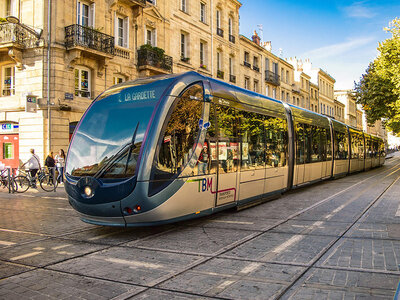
{"points": [[339, 111], [345, 97]]}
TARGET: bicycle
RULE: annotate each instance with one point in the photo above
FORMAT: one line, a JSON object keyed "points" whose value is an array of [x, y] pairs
{"points": [[5, 179], [24, 181]]}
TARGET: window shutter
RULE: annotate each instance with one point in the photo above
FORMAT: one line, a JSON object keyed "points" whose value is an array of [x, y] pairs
{"points": [[126, 32], [92, 14], [78, 12], [115, 29], [154, 32]]}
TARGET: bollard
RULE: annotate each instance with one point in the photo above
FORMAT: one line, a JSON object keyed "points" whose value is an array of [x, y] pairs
{"points": [[54, 178]]}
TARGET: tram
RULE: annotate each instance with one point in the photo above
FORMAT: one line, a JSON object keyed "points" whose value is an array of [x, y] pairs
{"points": [[174, 147]]}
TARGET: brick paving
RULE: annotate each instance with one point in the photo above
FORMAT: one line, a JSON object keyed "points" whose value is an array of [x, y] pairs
{"points": [[338, 239]]}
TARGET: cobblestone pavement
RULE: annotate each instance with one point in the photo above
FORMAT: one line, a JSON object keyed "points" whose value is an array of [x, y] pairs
{"points": [[338, 239]]}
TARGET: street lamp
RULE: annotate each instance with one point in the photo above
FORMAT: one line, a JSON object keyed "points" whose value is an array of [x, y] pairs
{"points": [[15, 20]]}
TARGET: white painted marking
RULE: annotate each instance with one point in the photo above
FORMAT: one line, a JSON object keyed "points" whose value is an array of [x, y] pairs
{"points": [[64, 208], [39, 248], [134, 264], [4, 243], [288, 243], [65, 253], [371, 230], [101, 236], [299, 226], [250, 268], [339, 208], [17, 231], [60, 247], [232, 222], [225, 284], [26, 255], [328, 216], [398, 211]]}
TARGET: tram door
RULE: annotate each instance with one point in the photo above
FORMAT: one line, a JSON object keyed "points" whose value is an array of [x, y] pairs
{"points": [[300, 154], [227, 154]]}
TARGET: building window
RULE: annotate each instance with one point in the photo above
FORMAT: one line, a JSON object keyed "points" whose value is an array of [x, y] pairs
{"points": [[219, 61], [184, 47], [117, 79], [283, 96], [184, 6], [267, 90], [82, 82], [287, 77], [287, 97], [218, 13], [230, 29], [274, 93], [255, 87], [202, 12], [10, 8], [202, 55], [151, 37], [8, 151], [121, 31], [255, 61], [231, 64], [8, 81], [246, 83], [267, 64], [85, 14]]}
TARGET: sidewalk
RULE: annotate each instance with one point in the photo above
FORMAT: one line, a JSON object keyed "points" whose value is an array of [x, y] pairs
{"points": [[37, 192]]}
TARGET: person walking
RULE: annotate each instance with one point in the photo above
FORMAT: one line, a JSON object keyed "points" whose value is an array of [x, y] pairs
{"points": [[50, 163], [60, 163], [33, 165]]}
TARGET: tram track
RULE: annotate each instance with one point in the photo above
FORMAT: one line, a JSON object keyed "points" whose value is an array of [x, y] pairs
{"points": [[220, 254]]}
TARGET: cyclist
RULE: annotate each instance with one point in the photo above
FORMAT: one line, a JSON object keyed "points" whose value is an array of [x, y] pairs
{"points": [[33, 164]]}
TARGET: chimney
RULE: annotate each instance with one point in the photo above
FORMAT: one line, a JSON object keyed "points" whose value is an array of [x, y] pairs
{"points": [[256, 38], [268, 46]]}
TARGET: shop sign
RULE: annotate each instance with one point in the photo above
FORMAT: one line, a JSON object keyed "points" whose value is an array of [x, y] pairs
{"points": [[69, 96], [31, 104]]}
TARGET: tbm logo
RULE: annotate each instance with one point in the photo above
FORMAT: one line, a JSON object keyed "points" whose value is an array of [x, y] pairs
{"points": [[205, 184]]}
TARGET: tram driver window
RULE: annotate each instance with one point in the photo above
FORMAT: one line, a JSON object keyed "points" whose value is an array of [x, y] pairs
{"points": [[341, 145], [276, 141], [180, 134]]}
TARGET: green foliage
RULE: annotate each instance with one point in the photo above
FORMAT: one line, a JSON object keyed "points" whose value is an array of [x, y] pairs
{"points": [[3, 20], [378, 91]]}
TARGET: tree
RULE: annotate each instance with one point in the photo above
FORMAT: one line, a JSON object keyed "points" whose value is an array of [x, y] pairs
{"points": [[378, 91]]}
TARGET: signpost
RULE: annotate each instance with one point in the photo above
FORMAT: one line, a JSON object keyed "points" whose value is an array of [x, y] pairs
{"points": [[31, 103]]}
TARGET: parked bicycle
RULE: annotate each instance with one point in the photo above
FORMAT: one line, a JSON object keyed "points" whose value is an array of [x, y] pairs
{"points": [[46, 178], [6, 178]]}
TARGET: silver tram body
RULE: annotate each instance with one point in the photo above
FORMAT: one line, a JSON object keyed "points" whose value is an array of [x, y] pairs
{"points": [[180, 146]]}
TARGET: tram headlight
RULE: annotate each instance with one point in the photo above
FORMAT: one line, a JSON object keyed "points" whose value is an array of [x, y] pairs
{"points": [[88, 191]]}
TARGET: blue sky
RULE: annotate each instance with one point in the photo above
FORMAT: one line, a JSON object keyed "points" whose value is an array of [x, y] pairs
{"points": [[339, 36]]}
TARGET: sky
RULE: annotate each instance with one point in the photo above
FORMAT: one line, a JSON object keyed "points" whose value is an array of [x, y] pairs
{"points": [[340, 37]]}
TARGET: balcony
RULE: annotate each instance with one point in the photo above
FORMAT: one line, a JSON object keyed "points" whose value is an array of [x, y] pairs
{"points": [[220, 32], [81, 36], [149, 57], [121, 52], [247, 64], [220, 74], [139, 2], [255, 68], [272, 78], [232, 78], [232, 38], [15, 35]]}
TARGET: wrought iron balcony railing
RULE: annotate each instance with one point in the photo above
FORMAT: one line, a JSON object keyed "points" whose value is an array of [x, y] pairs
{"points": [[220, 32], [16, 34], [255, 68], [78, 35], [147, 57], [272, 78], [247, 64], [232, 38], [232, 78], [220, 74]]}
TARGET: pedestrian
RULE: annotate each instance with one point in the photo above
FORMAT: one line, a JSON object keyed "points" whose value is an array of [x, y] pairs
{"points": [[33, 165], [50, 163], [60, 163]]}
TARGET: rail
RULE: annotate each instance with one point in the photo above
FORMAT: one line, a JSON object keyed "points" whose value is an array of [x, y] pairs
{"points": [[78, 35], [152, 58], [16, 34]]}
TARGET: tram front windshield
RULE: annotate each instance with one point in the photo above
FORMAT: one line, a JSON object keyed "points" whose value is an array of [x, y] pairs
{"points": [[107, 142]]}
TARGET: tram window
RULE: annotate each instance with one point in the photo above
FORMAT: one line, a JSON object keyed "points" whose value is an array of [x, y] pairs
{"points": [[361, 146], [319, 142], [276, 141], [252, 139], [354, 146], [341, 145], [180, 135], [208, 162], [228, 146], [300, 143], [328, 145]]}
